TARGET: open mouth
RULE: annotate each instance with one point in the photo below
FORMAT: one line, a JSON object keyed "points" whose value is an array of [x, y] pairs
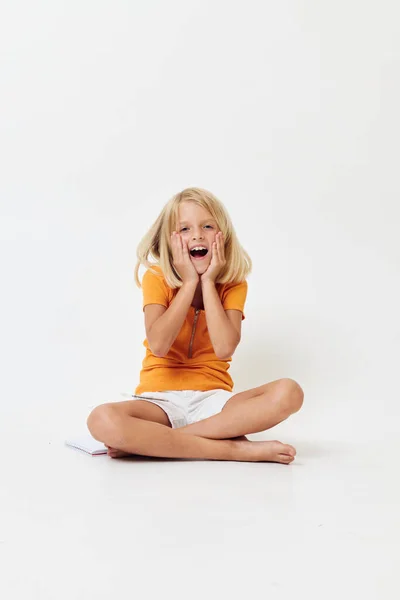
{"points": [[199, 254]]}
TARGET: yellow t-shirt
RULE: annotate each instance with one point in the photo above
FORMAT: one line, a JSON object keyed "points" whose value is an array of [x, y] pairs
{"points": [[198, 369]]}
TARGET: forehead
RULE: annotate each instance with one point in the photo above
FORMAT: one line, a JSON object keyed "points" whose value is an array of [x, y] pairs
{"points": [[189, 211]]}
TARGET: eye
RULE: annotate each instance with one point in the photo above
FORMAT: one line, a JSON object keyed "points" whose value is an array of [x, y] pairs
{"points": [[183, 228]]}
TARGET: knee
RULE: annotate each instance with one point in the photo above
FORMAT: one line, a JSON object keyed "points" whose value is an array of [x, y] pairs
{"points": [[100, 420], [293, 396]]}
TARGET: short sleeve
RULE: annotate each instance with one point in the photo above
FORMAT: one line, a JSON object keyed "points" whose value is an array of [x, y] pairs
{"points": [[234, 297], [154, 289]]}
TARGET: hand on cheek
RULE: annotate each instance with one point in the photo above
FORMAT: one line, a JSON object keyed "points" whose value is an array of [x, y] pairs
{"points": [[217, 261]]}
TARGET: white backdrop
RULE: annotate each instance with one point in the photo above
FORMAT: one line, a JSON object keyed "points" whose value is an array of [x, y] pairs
{"points": [[287, 111]]}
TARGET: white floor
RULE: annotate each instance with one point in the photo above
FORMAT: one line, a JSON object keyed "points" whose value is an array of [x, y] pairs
{"points": [[292, 113], [80, 527]]}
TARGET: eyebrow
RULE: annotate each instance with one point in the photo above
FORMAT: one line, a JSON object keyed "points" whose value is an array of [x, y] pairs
{"points": [[204, 221]]}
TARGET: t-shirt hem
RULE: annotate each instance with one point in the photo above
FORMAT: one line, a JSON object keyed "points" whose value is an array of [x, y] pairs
{"points": [[143, 388]]}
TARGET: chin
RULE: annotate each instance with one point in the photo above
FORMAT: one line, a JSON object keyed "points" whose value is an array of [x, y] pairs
{"points": [[201, 267]]}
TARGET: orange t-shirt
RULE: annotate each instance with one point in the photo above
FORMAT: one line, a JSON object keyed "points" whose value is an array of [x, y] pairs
{"points": [[203, 370]]}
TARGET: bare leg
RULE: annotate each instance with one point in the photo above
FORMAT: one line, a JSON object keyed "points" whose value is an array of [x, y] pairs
{"points": [[142, 410], [138, 436], [251, 411], [115, 453]]}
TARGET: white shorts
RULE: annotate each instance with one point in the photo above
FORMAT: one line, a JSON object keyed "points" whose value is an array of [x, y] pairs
{"points": [[183, 407]]}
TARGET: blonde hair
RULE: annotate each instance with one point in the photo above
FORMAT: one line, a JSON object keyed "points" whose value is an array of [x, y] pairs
{"points": [[157, 243]]}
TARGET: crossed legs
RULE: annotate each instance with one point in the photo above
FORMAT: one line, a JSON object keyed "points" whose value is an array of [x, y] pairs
{"points": [[139, 427]]}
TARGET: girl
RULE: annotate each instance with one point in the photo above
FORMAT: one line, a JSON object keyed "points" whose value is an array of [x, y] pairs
{"points": [[193, 302]]}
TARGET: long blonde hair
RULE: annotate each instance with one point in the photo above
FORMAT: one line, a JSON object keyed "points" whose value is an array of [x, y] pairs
{"points": [[156, 242]]}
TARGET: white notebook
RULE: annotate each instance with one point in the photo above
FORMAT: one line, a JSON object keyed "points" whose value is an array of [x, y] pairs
{"points": [[87, 443]]}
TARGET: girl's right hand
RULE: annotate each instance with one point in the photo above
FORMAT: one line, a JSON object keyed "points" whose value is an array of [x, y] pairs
{"points": [[181, 259]]}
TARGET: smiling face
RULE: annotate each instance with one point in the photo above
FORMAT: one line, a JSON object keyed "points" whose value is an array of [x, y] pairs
{"points": [[197, 228]]}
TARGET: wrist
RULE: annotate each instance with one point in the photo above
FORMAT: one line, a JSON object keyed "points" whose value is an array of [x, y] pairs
{"points": [[207, 281], [190, 284]]}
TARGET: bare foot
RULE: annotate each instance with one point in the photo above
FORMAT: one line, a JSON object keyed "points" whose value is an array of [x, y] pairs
{"points": [[244, 450], [273, 451], [114, 453]]}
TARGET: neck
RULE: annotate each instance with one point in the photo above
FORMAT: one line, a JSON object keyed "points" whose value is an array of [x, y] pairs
{"points": [[198, 291]]}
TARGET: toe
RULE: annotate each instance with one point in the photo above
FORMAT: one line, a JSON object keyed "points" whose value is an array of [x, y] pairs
{"points": [[286, 459], [289, 450]]}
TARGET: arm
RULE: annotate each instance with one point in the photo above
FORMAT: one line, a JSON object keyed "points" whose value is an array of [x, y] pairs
{"points": [[224, 336], [163, 332]]}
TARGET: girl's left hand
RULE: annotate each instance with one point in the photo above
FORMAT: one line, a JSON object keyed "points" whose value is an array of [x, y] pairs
{"points": [[218, 260]]}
